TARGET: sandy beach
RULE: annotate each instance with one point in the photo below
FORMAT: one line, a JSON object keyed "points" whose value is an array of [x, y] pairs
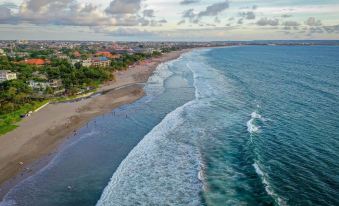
{"points": [[40, 134]]}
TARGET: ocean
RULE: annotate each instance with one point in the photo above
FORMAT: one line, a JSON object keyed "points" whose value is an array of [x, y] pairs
{"points": [[252, 125]]}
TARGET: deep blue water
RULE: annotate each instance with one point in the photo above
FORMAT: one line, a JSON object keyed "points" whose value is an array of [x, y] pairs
{"points": [[252, 125]]}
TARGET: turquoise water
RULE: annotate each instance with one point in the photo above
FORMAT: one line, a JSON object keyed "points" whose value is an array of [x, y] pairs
{"points": [[229, 126]]}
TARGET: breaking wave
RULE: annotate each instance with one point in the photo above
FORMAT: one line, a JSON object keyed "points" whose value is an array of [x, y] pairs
{"points": [[251, 124]]}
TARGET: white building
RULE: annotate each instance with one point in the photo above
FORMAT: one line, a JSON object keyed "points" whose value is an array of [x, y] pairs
{"points": [[87, 63], [6, 75], [74, 61], [2, 52], [38, 85], [54, 83]]}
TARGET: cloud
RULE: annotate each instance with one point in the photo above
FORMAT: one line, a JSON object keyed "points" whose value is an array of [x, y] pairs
{"points": [[268, 22], [210, 11], [190, 15], [331, 29], [247, 15], [56, 12], [214, 9], [148, 13], [38, 5], [291, 23], [286, 15], [74, 13], [9, 5], [124, 7], [186, 2], [5, 13], [313, 22], [181, 22]]}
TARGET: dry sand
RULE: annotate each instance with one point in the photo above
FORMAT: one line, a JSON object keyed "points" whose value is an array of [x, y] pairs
{"points": [[40, 134]]}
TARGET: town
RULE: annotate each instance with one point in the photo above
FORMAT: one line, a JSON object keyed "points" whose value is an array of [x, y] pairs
{"points": [[35, 72]]}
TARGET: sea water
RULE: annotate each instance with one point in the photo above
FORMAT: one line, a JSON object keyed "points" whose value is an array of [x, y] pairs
{"points": [[256, 125]]}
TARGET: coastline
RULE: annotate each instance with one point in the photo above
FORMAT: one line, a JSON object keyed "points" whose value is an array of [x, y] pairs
{"points": [[39, 136]]}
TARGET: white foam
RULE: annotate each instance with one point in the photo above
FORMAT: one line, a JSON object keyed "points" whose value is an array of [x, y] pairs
{"points": [[164, 168], [155, 83], [251, 126], [153, 170], [268, 187]]}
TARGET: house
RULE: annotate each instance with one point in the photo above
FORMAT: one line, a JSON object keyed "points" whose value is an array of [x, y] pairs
{"points": [[37, 62], [101, 62], [104, 54], [39, 75], [2, 52], [77, 54], [6, 75], [74, 61], [38, 85], [116, 56], [62, 56], [22, 54], [87, 63], [55, 83]]}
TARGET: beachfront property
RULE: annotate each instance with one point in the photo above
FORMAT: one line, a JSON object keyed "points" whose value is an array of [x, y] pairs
{"points": [[145, 50], [6, 75], [101, 62], [96, 62], [38, 85], [87, 63], [107, 54], [54, 83]]}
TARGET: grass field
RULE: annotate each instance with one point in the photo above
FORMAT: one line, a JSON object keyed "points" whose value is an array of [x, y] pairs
{"points": [[8, 121]]}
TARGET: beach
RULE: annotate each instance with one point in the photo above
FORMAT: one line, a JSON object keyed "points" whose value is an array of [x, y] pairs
{"points": [[39, 135]]}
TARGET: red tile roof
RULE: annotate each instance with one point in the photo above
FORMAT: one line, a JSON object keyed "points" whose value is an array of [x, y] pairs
{"points": [[77, 54], [104, 53], [35, 61]]}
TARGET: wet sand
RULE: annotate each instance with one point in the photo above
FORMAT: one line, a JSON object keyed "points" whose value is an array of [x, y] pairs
{"points": [[39, 135]]}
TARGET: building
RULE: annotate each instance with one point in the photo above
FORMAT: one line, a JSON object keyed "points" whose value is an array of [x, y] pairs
{"points": [[21, 54], [87, 63], [54, 83], [104, 54], [6, 75], [101, 62], [37, 62], [77, 54], [38, 85], [74, 61], [63, 56], [2, 52]]}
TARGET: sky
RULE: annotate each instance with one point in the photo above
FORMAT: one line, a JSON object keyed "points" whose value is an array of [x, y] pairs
{"points": [[169, 20]]}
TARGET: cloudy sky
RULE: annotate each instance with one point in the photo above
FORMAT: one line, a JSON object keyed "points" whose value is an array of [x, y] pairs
{"points": [[158, 20]]}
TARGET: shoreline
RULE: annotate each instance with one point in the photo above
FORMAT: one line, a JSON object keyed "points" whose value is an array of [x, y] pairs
{"points": [[31, 146]]}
